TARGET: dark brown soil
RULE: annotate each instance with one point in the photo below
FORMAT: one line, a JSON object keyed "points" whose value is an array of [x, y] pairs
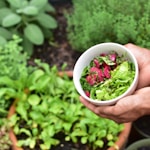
{"points": [[61, 51], [64, 145]]}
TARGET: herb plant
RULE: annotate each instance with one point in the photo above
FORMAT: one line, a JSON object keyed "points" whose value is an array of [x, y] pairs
{"points": [[12, 58], [50, 108], [32, 20], [98, 21]]}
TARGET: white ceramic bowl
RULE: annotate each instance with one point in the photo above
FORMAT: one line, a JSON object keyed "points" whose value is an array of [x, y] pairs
{"points": [[89, 55]]}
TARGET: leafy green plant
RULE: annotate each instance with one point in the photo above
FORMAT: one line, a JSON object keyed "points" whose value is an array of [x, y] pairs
{"points": [[13, 65], [98, 21], [12, 58], [50, 108], [44, 104], [32, 20]]}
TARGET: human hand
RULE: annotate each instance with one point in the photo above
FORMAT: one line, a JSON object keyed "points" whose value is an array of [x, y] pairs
{"points": [[125, 110], [143, 58]]}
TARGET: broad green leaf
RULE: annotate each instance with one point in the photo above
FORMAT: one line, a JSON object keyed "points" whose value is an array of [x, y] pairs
{"points": [[43, 107], [7, 91], [35, 131], [22, 95], [34, 99], [41, 83], [3, 112], [32, 143], [3, 13], [111, 143], [2, 4], [109, 137], [48, 142], [34, 34], [30, 10], [67, 126], [50, 130], [34, 76], [67, 138], [99, 143], [25, 142], [44, 66], [20, 83], [43, 146], [21, 143], [84, 139], [6, 81], [11, 20], [49, 8], [15, 3], [22, 110], [102, 133], [78, 132], [5, 33], [74, 139], [24, 4], [47, 21], [38, 3], [3, 41], [27, 45], [36, 116], [27, 132]]}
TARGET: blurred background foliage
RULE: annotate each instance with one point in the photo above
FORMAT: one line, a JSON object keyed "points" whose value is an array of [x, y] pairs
{"points": [[32, 20], [98, 21]]}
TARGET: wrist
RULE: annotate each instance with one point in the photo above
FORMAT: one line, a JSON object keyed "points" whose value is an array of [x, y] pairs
{"points": [[145, 109]]}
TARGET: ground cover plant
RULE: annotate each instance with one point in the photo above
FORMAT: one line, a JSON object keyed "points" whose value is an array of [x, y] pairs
{"points": [[108, 21]]}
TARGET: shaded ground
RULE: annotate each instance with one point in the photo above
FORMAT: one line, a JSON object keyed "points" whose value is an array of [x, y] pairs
{"points": [[61, 52]]}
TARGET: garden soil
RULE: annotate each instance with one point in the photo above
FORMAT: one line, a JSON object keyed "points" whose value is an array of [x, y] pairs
{"points": [[60, 51]]}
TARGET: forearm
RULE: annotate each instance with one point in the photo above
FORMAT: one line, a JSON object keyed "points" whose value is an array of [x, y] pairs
{"points": [[144, 77]]}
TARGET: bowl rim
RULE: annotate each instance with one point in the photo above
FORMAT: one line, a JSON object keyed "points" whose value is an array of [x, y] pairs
{"points": [[114, 100]]}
